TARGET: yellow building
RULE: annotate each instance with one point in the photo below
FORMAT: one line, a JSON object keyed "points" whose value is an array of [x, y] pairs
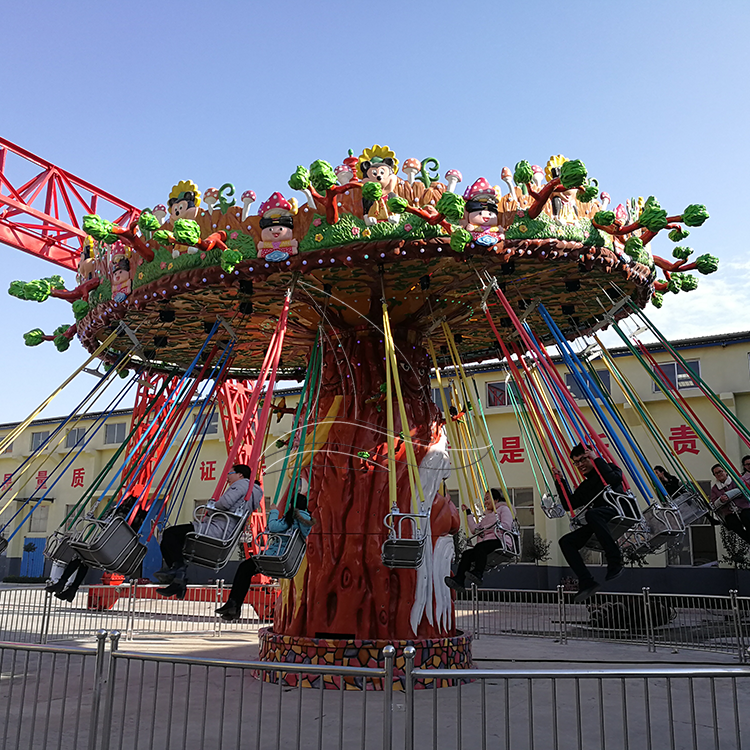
{"points": [[722, 361]]}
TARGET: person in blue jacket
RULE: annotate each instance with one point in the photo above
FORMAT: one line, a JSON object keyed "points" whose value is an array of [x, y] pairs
{"points": [[297, 517]]}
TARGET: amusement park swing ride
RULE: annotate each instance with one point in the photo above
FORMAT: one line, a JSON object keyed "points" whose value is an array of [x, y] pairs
{"points": [[373, 285]]}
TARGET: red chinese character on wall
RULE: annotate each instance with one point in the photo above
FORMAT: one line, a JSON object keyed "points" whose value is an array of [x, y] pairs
{"points": [[6, 481], [684, 440], [78, 475], [208, 471], [41, 480], [604, 439], [511, 451]]}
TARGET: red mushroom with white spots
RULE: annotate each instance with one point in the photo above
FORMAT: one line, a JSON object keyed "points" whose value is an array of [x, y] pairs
{"points": [[160, 212], [411, 168], [452, 178], [248, 198], [210, 198], [539, 176], [344, 173], [507, 177], [605, 200]]}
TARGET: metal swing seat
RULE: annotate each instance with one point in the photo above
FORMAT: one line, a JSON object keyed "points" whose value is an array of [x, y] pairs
{"points": [[110, 544], [211, 551], [690, 505], [627, 515], [399, 550], [661, 525], [281, 552], [57, 547], [510, 551], [3, 544], [551, 506]]}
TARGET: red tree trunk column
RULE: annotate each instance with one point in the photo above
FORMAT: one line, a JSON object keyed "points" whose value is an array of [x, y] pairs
{"points": [[343, 589]]}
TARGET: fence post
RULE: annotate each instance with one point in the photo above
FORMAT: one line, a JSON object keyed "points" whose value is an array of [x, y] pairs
{"points": [[109, 696], [737, 625], [219, 600], [650, 637], [46, 613], [389, 653], [130, 625], [409, 654], [475, 609], [96, 693], [561, 613]]}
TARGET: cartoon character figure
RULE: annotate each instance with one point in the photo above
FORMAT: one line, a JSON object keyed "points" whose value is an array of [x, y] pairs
{"points": [[564, 206], [480, 216], [184, 201], [120, 278], [276, 226], [87, 264], [379, 164]]}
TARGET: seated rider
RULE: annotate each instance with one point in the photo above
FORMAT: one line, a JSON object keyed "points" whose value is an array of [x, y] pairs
{"points": [[296, 517], [730, 503], [474, 560], [671, 483], [598, 475], [174, 569]]}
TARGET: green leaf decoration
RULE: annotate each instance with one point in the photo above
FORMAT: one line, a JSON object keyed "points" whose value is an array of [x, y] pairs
{"points": [[678, 235], [37, 290], [300, 180], [694, 215], [634, 247], [372, 191], [675, 283], [572, 173], [587, 194], [322, 176], [16, 289], [653, 216], [657, 299], [187, 232], [55, 282], [396, 205], [604, 218], [523, 173], [34, 337], [689, 282], [80, 309], [163, 237], [683, 253], [460, 239], [229, 259], [452, 206], [61, 342], [98, 228], [707, 263], [147, 222], [363, 455], [224, 203]]}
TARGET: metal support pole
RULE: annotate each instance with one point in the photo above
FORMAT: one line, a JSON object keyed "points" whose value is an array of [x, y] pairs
{"points": [[46, 614], [96, 696], [561, 613], [650, 636], [389, 654], [475, 609], [130, 625], [219, 600], [409, 654], [737, 626], [109, 697]]}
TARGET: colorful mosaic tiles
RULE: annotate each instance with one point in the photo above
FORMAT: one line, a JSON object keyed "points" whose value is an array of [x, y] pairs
{"points": [[434, 653]]}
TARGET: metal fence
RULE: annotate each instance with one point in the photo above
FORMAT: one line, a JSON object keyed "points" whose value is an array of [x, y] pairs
{"points": [[55, 697], [718, 624], [29, 614]]}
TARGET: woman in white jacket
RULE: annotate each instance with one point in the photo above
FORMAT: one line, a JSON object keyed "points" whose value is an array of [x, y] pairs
{"points": [[488, 536]]}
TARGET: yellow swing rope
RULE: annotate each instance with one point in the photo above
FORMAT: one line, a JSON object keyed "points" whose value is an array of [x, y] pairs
{"points": [[618, 374], [450, 427], [392, 380], [476, 410], [8, 439]]}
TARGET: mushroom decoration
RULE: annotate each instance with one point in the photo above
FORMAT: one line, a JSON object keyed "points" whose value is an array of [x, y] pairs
{"points": [[160, 212], [248, 198], [479, 187], [411, 169], [507, 177], [277, 242], [621, 214], [605, 200], [210, 197], [538, 175], [452, 178], [343, 173]]}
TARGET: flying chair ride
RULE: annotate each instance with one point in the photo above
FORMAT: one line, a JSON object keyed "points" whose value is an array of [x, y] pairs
{"points": [[363, 288]]}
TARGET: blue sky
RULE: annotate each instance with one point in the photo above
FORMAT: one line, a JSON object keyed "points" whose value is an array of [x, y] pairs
{"points": [[652, 96]]}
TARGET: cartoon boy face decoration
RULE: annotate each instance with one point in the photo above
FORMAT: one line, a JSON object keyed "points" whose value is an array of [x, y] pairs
{"points": [[379, 164], [277, 242], [184, 201], [480, 215], [120, 278]]}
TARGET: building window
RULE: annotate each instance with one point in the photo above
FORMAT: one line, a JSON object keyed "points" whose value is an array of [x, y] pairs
{"points": [[75, 437], [114, 434], [38, 522], [498, 394], [8, 448], [522, 499], [453, 496], [437, 398], [674, 375], [210, 425], [576, 389], [38, 439]]}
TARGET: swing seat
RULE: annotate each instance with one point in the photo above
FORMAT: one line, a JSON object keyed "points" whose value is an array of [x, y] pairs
{"points": [[661, 524], [551, 506], [3, 544], [399, 550], [509, 552], [210, 551], [281, 553], [627, 515], [690, 505], [109, 544], [58, 547]]}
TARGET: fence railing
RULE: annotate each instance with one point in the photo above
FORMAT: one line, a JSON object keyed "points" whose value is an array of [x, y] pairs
{"points": [[100, 700], [720, 624]]}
